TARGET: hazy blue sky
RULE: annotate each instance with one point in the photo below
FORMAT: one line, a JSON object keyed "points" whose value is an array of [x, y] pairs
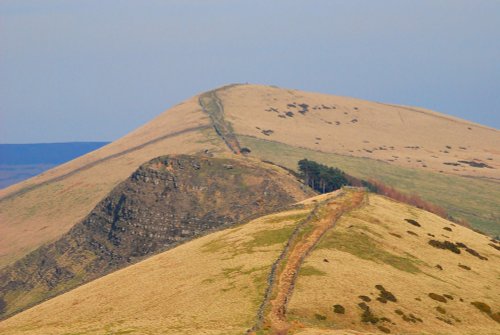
{"points": [[94, 70]]}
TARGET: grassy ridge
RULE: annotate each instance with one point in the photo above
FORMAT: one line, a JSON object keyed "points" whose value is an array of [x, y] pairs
{"points": [[210, 285], [375, 272], [475, 200]]}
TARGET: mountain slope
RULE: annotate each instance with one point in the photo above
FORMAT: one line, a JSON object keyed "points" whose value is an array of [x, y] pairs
{"points": [[167, 201], [216, 283], [43, 208], [213, 284], [400, 135], [284, 126], [401, 269], [401, 146], [415, 150]]}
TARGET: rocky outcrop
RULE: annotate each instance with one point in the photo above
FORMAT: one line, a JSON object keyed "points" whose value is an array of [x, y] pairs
{"points": [[167, 201]]}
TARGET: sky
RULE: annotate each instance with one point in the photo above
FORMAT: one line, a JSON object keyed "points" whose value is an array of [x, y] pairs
{"points": [[95, 70]]}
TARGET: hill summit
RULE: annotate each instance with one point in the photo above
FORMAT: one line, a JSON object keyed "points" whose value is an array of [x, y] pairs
{"points": [[126, 239]]}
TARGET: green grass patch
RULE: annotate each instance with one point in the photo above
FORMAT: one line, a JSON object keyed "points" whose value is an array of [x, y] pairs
{"points": [[285, 218], [231, 272], [266, 238], [309, 270], [362, 246], [473, 199]]}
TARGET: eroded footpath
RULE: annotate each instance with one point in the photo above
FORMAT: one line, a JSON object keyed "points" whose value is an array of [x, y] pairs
{"points": [[281, 283]]}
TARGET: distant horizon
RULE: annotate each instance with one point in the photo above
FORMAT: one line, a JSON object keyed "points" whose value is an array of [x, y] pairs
{"points": [[20, 161], [84, 71], [361, 98], [62, 142]]}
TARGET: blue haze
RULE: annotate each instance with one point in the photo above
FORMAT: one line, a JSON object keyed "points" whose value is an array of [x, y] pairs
{"points": [[94, 70]]}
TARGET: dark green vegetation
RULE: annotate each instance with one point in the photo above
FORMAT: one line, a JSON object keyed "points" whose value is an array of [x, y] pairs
{"points": [[455, 248], [384, 295], [437, 297], [365, 298], [320, 317], [339, 309], [446, 245], [408, 317], [167, 201], [441, 310], [472, 199], [465, 267], [485, 308], [367, 316], [324, 179], [384, 329], [413, 222], [320, 177]]}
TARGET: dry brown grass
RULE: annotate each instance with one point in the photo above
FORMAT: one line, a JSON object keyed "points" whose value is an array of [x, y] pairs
{"points": [[404, 266], [381, 131], [284, 283], [212, 285], [45, 213], [215, 284]]}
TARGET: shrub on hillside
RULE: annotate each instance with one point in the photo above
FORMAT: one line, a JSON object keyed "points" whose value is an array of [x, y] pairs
{"points": [[447, 245], [411, 199], [339, 309], [324, 179], [413, 222], [320, 177], [437, 297]]}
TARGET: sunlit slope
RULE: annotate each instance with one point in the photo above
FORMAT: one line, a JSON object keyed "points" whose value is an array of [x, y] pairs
{"points": [[268, 120], [414, 150], [375, 265], [376, 272], [473, 199], [212, 285], [44, 207], [403, 136], [166, 202]]}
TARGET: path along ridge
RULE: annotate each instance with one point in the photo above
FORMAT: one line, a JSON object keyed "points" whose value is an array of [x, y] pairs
{"points": [[272, 314]]}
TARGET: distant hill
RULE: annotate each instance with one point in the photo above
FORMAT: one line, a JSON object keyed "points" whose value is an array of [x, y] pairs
{"points": [[451, 162], [22, 161]]}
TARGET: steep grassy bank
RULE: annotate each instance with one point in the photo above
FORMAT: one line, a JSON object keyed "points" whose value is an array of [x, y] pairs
{"points": [[166, 202]]}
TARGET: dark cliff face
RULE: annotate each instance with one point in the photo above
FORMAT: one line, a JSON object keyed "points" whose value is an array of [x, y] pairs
{"points": [[167, 201]]}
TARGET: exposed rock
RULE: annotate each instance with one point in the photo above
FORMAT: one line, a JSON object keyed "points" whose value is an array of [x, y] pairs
{"points": [[167, 201]]}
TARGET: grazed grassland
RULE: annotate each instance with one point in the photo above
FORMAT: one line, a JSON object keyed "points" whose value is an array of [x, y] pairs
{"points": [[473, 199], [387, 278], [211, 285]]}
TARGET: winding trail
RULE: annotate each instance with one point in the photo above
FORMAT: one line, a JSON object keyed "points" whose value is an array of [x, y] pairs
{"points": [[212, 105], [272, 314]]}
